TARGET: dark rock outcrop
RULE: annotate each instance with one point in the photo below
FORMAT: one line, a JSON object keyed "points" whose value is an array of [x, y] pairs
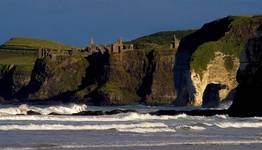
{"points": [[248, 98], [31, 112], [99, 113], [7, 82], [183, 83], [89, 113], [118, 111], [211, 56], [197, 112], [211, 95], [39, 74]]}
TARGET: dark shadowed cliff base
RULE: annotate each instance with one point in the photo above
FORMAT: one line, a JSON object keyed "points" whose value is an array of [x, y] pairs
{"points": [[248, 98]]}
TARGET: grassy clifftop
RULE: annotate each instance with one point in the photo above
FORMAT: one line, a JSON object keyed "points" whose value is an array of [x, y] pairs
{"points": [[22, 51], [32, 44], [159, 40]]}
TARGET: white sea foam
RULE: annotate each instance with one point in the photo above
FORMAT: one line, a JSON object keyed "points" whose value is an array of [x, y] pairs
{"points": [[189, 127], [225, 105], [22, 109], [44, 110], [147, 130], [239, 124], [105, 118], [8, 113], [258, 118], [222, 116], [138, 116], [144, 127]]}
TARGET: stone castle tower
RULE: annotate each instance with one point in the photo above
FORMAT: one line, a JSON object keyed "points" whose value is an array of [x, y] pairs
{"points": [[175, 43], [92, 45], [118, 46]]}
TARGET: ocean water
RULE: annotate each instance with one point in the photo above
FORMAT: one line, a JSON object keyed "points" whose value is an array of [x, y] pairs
{"points": [[131, 131]]}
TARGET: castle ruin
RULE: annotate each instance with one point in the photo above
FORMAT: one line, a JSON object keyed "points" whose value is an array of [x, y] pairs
{"points": [[116, 47], [53, 54], [175, 43]]}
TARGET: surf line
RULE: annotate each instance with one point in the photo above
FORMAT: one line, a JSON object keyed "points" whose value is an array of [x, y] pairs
{"points": [[231, 142]]}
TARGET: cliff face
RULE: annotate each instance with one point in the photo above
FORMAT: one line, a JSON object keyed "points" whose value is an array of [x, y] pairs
{"points": [[12, 79], [135, 77], [139, 76], [216, 76], [247, 101], [207, 60], [55, 78], [47, 79], [163, 89]]}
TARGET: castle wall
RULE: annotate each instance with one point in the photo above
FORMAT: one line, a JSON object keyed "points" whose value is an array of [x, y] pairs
{"points": [[117, 47], [54, 53]]}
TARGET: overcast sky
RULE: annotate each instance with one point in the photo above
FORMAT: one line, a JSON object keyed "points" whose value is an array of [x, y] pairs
{"points": [[75, 21]]}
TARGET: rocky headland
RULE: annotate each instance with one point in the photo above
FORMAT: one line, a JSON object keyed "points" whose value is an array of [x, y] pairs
{"points": [[196, 68], [207, 60], [117, 74]]}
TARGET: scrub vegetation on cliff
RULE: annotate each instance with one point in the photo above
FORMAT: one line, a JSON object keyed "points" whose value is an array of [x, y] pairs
{"points": [[231, 44], [210, 56]]}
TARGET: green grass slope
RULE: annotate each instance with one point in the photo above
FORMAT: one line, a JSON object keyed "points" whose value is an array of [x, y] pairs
{"points": [[22, 51], [33, 44], [160, 40]]}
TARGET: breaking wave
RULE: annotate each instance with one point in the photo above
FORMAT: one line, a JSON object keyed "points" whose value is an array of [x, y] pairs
{"points": [[145, 127], [225, 105], [133, 122], [221, 116], [239, 124], [189, 127], [147, 130], [119, 117], [44, 110]]}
